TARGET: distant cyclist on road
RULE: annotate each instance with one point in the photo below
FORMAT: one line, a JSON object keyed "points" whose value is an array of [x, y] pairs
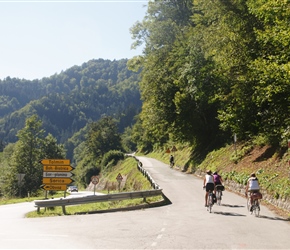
{"points": [[208, 184], [252, 187], [171, 160]]}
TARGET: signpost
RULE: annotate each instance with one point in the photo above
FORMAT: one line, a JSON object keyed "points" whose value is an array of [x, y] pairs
{"points": [[54, 187], [56, 174], [95, 181], [58, 168], [57, 181], [56, 162]]}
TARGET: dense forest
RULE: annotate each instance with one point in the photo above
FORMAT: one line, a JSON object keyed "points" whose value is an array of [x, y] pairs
{"points": [[210, 71], [68, 101]]}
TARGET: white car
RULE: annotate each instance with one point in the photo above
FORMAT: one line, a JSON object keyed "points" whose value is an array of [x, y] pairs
{"points": [[72, 189]]}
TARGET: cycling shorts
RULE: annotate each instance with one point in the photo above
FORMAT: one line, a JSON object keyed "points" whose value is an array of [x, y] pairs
{"points": [[209, 186]]}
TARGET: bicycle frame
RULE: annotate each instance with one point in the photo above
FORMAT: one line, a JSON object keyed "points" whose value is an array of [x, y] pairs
{"points": [[255, 206]]}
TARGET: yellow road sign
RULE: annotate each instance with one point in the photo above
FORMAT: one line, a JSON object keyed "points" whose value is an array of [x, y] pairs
{"points": [[57, 180], [54, 187], [51, 168], [55, 162]]}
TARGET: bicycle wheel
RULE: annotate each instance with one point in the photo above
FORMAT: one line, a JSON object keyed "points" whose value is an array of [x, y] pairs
{"points": [[210, 202], [248, 203], [256, 208], [219, 197]]}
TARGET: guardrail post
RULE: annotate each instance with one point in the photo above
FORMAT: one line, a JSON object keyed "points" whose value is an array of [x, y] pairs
{"points": [[63, 210]]}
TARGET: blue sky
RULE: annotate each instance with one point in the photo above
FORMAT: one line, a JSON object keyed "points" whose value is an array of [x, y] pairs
{"points": [[41, 38]]}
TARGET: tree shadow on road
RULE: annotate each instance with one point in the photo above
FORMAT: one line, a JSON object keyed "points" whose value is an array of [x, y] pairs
{"points": [[229, 205], [229, 214], [274, 218]]}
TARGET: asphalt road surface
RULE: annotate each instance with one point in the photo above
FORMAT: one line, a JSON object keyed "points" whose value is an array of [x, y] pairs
{"points": [[183, 224]]}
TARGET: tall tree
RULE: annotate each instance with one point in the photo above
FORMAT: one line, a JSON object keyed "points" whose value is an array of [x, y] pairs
{"points": [[103, 137], [24, 173], [271, 69], [25, 159], [165, 23]]}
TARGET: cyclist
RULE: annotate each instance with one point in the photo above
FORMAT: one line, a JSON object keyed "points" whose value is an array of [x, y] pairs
{"points": [[252, 187], [171, 160], [218, 181], [208, 184]]}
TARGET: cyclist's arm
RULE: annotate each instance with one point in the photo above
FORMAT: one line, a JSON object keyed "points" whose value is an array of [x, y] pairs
{"points": [[247, 187]]}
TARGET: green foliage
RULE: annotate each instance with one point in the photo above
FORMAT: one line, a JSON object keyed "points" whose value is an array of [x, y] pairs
{"points": [[24, 157], [237, 177], [68, 101], [219, 69], [103, 136], [111, 159], [127, 140]]}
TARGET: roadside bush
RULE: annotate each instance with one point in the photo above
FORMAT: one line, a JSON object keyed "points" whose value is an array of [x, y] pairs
{"points": [[111, 158]]}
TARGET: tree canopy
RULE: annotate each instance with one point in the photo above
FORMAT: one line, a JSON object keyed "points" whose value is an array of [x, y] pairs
{"points": [[221, 68]]}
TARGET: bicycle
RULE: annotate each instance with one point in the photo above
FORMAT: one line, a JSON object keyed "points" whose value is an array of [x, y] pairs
{"points": [[210, 201], [219, 194], [255, 206]]}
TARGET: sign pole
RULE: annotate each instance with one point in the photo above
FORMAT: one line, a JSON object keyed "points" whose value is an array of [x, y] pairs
{"points": [[95, 181]]}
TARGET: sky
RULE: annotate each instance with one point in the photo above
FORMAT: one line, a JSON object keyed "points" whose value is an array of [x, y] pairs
{"points": [[42, 38]]}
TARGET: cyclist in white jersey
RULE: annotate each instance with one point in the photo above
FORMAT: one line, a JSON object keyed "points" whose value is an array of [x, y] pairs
{"points": [[208, 184], [252, 186]]}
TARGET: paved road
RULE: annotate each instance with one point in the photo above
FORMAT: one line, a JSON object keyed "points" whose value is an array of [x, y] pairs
{"points": [[184, 224]]}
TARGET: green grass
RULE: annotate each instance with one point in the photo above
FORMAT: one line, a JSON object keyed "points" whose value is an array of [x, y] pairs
{"points": [[92, 207], [5, 201]]}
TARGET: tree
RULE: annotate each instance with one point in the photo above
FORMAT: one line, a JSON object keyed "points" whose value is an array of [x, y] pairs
{"points": [[103, 137], [51, 149], [271, 69], [25, 158]]}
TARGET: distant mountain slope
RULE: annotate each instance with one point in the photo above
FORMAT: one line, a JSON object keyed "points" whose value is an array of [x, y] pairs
{"points": [[66, 102]]}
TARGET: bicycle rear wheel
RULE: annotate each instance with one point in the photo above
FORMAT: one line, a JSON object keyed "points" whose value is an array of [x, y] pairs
{"points": [[248, 203], [210, 202], [256, 208]]}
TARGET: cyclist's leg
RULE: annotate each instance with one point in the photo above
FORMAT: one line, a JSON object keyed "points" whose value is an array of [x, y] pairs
{"points": [[206, 198]]}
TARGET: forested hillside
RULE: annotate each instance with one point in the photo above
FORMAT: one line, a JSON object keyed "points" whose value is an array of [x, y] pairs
{"points": [[66, 102], [212, 70], [79, 114]]}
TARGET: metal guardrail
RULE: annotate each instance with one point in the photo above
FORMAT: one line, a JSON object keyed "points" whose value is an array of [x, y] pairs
{"points": [[103, 198], [96, 198]]}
